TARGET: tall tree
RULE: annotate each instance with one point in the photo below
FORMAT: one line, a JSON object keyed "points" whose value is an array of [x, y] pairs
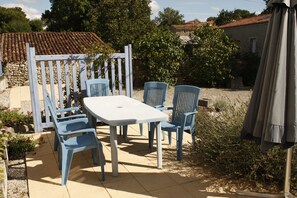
{"points": [[67, 15], [36, 25], [121, 22], [268, 9], [169, 17], [116, 22], [210, 54], [13, 20], [226, 16], [160, 55]]}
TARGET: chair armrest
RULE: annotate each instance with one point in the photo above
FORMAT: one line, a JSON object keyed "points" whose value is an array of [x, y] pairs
{"points": [[160, 107], [85, 130], [190, 113], [168, 108], [72, 117], [185, 118], [73, 121], [68, 109]]}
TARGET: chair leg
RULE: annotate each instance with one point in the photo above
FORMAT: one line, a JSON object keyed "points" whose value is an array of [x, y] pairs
{"points": [[121, 129], [102, 161], [141, 129], [125, 129], [95, 156], [56, 143], [60, 158], [169, 137], [193, 137], [66, 164], [151, 134], [179, 144]]}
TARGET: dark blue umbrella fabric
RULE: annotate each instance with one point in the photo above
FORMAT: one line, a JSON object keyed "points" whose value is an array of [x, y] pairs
{"points": [[272, 114]]}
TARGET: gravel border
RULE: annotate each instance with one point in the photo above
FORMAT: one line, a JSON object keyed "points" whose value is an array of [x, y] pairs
{"points": [[17, 185]]}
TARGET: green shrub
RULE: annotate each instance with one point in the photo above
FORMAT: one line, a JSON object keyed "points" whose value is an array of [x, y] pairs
{"points": [[13, 118], [250, 65], [220, 105], [19, 145], [210, 55], [4, 137], [219, 146], [160, 55]]}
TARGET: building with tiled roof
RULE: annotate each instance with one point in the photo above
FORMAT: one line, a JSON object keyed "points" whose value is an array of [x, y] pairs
{"points": [[248, 21], [249, 33], [13, 45], [186, 29], [13, 49]]}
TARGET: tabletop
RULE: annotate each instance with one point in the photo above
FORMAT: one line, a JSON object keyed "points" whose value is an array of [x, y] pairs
{"points": [[122, 110]]}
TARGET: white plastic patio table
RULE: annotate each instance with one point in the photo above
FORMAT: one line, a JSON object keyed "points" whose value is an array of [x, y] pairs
{"points": [[122, 110]]}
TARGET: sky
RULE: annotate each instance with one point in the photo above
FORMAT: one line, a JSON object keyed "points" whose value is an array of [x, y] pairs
{"points": [[190, 9]]}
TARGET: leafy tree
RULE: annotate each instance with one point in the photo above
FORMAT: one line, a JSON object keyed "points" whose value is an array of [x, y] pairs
{"points": [[66, 15], [226, 16], [268, 9], [209, 57], [169, 17], [36, 25], [160, 54], [211, 18], [120, 23], [116, 22], [13, 20]]}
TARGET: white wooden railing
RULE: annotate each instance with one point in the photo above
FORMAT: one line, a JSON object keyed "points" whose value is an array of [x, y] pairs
{"points": [[63, 76]]}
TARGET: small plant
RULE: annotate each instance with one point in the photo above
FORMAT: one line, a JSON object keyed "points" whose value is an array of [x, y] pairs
{"points": [[220, 105], [4, 137], [13, 118], [19, 145]]}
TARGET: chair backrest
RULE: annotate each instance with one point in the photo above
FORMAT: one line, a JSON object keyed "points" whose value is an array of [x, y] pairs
{"points": [[185, 100], [155, 93], [97, 87], [52, 111], [50, 104]]}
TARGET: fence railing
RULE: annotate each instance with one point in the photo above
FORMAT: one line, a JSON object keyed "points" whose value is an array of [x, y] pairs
{"points": [[1, 69], [64, 76]]}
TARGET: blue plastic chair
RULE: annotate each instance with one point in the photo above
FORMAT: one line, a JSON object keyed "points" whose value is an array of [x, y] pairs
{"points": [[66, 113], [97, 87], [75, 136], [56, 113], [185, 103], [155, 96]]}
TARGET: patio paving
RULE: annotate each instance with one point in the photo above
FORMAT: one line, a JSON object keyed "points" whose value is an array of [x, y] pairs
{"points": [[138, 175]]}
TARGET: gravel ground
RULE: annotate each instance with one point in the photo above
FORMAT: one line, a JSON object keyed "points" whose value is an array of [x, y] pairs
{"points": [[17, 179], [211, 94]]}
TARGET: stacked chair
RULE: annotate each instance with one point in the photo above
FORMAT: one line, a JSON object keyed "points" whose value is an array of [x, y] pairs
{"points": [[74, 135], [185, 103], [96, 87], [154, 96]]}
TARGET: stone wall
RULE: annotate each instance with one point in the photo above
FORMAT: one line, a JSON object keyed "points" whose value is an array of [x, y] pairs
{"points": [[16, 74]]}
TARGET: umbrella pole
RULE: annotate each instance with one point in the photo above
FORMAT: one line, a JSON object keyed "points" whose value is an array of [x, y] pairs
{"points": [[287, 193], [288, 172]]}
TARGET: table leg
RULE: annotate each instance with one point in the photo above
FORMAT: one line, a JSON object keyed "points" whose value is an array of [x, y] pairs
{"points": [[114, 150], [159, 145]]}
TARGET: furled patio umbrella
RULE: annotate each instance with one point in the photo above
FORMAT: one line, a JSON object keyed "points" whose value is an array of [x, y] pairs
{"points": [[272, 114]]}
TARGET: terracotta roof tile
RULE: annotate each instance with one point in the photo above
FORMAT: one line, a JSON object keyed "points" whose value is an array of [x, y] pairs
{"points": [[247, 21], [190, 26], [13, 45]]}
